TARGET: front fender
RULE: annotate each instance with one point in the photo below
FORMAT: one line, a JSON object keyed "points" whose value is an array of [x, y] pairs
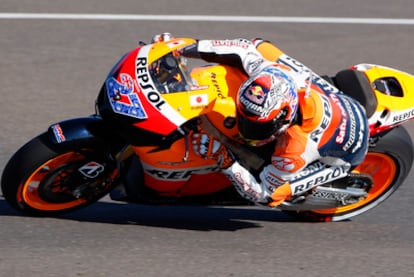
{"points": [[82, 130]]}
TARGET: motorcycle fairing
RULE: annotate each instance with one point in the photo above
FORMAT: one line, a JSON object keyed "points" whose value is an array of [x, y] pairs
{"points": [[179, 172], [393, 96], [130, 94], [83, 128], [143, 104], [123, 98], [160, 111]]}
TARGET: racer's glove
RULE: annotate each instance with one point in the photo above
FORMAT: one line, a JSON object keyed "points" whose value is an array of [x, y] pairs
{"points": [[162, 37], [208, 147], [279, 195], [249, 188]]}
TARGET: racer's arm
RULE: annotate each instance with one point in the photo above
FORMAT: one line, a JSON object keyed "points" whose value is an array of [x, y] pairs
{"points": [[293, 171], [240, 53], [273, 188]]}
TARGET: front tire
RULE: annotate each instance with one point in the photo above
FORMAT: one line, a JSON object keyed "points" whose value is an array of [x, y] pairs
{"points": [[388, 163], [46, 179]]}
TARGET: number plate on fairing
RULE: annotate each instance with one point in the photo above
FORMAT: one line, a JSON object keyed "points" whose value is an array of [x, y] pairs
{"points": [[122, 97]]}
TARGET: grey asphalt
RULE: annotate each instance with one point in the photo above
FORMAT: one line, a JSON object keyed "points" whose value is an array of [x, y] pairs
{"points": [[52, 70]]}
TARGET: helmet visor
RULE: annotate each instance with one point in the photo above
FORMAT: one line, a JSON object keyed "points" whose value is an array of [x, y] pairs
{"points": [[254, 130]]}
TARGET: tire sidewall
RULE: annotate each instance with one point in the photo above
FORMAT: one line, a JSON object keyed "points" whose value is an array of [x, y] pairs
{"points": [[29, 158]]}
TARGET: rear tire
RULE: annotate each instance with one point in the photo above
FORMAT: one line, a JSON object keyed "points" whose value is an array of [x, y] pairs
{"points": [[389, 163], [46, 179]]}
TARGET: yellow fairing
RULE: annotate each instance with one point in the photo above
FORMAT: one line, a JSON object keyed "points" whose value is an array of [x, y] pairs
{"points": [[214, 96], [160, 49], [213, 91], [393, 103]]}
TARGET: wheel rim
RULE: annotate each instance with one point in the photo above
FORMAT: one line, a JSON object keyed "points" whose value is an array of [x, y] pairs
{"points": [[382, 169], [54, 197]]}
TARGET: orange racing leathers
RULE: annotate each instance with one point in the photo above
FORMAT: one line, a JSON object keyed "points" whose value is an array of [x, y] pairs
{"points": [[328, 137]]}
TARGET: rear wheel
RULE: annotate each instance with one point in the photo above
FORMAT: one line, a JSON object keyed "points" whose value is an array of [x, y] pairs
{"points": [[388, 163], [44, 180]]}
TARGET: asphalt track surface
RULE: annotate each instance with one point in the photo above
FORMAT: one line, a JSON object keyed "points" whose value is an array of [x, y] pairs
{"points": [[52, 70]]}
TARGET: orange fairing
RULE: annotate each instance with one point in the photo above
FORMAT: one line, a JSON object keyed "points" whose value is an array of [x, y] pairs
{"points": [[269, 51], [178, 171]]}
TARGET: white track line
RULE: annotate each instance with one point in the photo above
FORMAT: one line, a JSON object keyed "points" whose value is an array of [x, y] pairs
{"points": [[217, 18]]}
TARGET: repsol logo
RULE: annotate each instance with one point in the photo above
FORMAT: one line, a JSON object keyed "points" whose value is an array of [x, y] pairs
{"points": [[316, 135], [323, 177], [146, 84], [178, 175], [216, 84], [403, 116]]}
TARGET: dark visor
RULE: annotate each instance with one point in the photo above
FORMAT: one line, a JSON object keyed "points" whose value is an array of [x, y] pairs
{"points": [[254, 130]]}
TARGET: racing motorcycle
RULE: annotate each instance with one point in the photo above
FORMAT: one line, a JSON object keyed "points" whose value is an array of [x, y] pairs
{"points": [[136, 147]]}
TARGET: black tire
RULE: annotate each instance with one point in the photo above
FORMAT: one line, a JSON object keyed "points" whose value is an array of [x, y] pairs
{"points": [[398, 147], [41, 178]]}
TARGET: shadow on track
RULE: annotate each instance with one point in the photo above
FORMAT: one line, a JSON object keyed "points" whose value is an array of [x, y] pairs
{"points": [[202, 218]]}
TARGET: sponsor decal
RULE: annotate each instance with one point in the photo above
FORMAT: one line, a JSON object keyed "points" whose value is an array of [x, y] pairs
{"points": [[255, 94], [198, 100], [316, 135], [243, 187], [353, 127], [338, 196], [122, 97], [261, 96], [57, 131], [242, 43], [403, 116], [177, 174], [309, 170], [273, 181], [199, 87], [216, 84], [254, 61], [324, 85], [304, 73], [147, 87], [292, 63], [283, 164], [146, 84], [361, 132], [325, 176], [342, 127], [91, 169], [175, 43]]}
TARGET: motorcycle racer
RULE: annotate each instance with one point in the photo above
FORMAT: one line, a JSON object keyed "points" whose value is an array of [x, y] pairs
{"points": [[320, 133], [168, 129]]}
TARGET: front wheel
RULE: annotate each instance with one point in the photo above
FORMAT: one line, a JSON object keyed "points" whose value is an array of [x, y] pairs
{"points": [[41, 179], [388, 163]]}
